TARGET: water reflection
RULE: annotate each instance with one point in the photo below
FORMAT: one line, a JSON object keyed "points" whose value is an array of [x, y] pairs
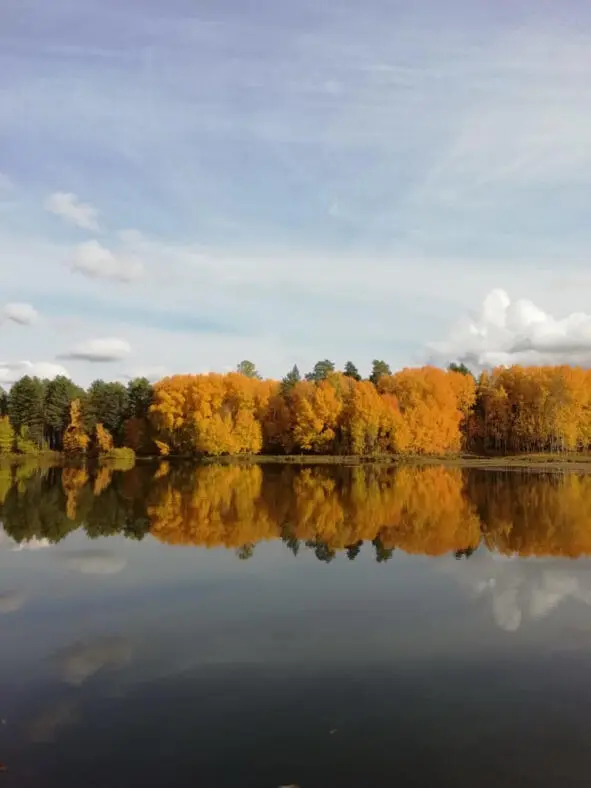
{"points": [[83, 660], [48, 722], [11, 601], [317, 614], [94, 562], [420, 510]]}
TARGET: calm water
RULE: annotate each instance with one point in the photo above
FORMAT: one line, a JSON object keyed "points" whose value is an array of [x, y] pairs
{"points": [[229, 626]]}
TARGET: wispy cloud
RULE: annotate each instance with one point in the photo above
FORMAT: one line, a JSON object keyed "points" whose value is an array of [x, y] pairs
{"points": [[96, 261], [72, 210]]}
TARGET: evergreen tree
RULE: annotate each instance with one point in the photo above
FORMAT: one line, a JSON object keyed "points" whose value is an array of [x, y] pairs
{"points": [[26, 408], [378, 370], [351, 371], [321, 371], [461, 368], [289, 381], [248, 368], [107, 404], [140, 394], [59, 394]]}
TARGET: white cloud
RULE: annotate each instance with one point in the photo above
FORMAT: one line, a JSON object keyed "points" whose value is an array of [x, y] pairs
{"points": [[12, 371], [11, 601], [97, 350], [509, 332], [84, 660], [23, 314], [94, 260], [95, 562], [69, 207]]}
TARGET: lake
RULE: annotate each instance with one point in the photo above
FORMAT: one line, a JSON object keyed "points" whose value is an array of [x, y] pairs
{"points": [[281, 626]]}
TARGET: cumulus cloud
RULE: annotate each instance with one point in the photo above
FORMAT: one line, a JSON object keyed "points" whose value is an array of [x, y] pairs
{"points": [[83, 660], [23, 314], [95, 562], [11, 371], [69, 207], [97, 350], [507, 332], [94, 260], [11, 601]]}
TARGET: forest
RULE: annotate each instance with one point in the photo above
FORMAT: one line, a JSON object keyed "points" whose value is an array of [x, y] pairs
{"points": [[415, 411], [326, 510]]}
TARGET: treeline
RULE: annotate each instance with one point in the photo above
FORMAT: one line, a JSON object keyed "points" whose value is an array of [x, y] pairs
{"points": [[420, 510], [58, 415], [420, 411]]}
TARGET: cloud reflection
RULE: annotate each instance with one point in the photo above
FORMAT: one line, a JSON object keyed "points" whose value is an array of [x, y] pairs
{"points": [[46, 725], [519, 590], [11, 601], [83, 660], [95, 562]]}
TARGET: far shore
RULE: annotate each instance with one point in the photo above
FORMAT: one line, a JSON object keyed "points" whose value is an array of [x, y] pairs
{"points": [[552, 462], [540, 462]]}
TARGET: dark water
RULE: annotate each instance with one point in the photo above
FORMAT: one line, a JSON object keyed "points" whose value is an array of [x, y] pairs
{"points": [[229, 626]]}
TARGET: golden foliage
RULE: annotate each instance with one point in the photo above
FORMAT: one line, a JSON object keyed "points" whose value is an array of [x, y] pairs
{"points": [[73, 481], [418, 510], [219, 507], [75, 439], [104, 439], [7, 436], [102, 480]]}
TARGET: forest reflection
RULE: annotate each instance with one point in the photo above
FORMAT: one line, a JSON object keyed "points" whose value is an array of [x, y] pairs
{"points": [[330, 510]]}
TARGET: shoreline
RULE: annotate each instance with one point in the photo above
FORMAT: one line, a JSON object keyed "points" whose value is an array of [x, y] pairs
{"points": [[540, 462], [553, 462]]}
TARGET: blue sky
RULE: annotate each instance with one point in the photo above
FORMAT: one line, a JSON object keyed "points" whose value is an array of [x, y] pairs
{"points": [[189, 184]]}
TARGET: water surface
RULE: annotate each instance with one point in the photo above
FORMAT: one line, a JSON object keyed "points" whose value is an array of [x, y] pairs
{"points": [[246, 626]]}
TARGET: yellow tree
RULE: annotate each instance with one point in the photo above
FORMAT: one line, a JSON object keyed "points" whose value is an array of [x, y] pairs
{"points": [[103, 438], [75, 439]]}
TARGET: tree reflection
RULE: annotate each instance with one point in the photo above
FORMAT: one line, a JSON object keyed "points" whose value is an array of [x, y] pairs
{"points": [[330, 511]]}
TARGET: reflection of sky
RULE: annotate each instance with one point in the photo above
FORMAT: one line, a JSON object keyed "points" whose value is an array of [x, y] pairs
{"points": [[127, 629], [183, 607], [520, 590]]}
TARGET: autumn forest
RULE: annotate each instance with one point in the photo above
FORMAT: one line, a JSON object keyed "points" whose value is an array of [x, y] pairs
{"points": [[415, 411]]}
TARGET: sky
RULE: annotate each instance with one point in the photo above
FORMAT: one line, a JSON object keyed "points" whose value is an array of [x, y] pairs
{"points": [[185, 184]]}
